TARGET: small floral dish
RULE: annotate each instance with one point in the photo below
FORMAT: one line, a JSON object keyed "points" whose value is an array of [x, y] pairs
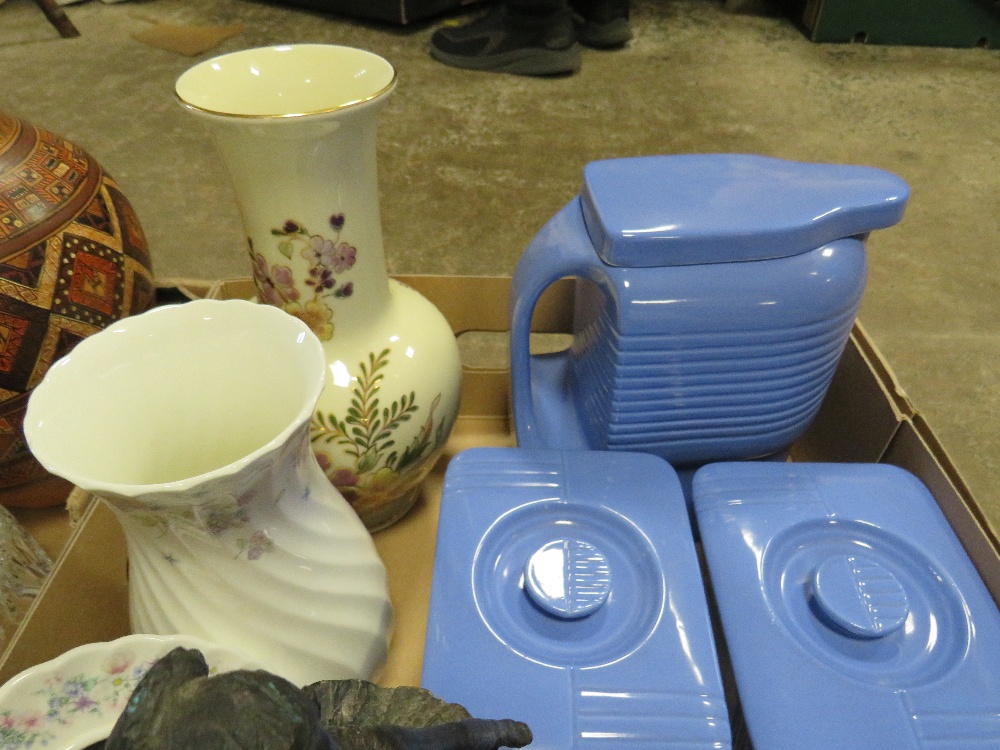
{"points": [[74, 700]]}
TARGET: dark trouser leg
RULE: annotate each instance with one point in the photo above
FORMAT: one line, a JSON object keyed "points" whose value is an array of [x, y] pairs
{"points": [[602, 23]]}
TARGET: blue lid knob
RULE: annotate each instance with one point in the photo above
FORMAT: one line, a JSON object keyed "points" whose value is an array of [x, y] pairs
{"points": [[568, 579], [860, 596]]}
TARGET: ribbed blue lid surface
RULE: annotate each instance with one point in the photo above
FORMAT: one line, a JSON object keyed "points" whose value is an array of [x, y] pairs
{"points": [[567, 595], [853, 617]]}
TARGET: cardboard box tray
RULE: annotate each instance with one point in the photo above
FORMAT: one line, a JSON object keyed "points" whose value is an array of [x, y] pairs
{"points": [[865, 417]]}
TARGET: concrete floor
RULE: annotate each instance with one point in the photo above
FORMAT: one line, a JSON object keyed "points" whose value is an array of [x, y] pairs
{"points": [[472, 164]]}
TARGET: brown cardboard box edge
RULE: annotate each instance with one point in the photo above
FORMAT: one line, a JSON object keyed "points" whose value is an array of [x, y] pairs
{"points": [[866, 416]]}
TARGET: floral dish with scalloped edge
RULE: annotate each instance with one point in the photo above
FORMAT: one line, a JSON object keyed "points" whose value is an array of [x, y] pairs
{"points": [[74, 700]]}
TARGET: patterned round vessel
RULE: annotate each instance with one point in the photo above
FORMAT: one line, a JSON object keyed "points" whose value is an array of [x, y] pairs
{"points": [[73, 259]]}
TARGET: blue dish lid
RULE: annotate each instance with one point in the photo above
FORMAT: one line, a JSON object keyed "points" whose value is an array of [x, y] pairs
{"points": [[852, 614], [717, 208], [567, 595]]}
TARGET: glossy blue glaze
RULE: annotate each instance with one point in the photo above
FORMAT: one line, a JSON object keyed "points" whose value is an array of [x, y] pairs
{"points": [[848, 603], [567, 594], [722, 348], [695, 208]]}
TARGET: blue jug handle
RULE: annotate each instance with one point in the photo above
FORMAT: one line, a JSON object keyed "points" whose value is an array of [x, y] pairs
{"points": [[561, 248]]}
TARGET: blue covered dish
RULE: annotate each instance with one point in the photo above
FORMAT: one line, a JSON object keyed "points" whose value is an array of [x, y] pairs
{"points": [[853, 617], [566, 594]]}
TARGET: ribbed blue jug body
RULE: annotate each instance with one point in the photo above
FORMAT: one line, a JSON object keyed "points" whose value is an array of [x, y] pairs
{"points": [[710, 362]]}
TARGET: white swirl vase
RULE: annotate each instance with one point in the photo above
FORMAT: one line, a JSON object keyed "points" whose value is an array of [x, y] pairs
{"points": [[192, 421], [296, 128]]}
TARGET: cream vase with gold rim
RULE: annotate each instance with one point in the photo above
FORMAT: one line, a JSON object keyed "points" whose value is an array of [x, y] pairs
{"points": [[296, 127]]}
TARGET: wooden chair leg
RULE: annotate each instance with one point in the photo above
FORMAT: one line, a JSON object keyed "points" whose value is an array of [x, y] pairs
{"points": [[58, 18]]}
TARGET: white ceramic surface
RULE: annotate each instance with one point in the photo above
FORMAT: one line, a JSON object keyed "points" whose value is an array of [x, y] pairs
{"points": [[295, 126], [285, 81], [75, 699], [192, 421]]}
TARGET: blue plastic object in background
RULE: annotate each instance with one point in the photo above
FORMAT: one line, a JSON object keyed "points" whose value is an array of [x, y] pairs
{"points": [[567, 594], [852, 614], [715, 295]]}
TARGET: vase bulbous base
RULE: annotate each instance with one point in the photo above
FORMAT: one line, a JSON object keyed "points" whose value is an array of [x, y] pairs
{"points": [[388, 407], [385, 514]]}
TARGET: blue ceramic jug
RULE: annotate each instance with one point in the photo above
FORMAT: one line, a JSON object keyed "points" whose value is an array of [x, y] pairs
{"points": [[715, 294]]}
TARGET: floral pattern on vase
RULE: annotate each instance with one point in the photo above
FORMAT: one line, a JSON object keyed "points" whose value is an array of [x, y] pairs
{"points": [[326, 258], [226, 518], [295, 126], [367, 436]]}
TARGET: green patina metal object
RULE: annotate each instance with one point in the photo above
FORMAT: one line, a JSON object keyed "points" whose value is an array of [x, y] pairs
{"points": [[178, 705]]}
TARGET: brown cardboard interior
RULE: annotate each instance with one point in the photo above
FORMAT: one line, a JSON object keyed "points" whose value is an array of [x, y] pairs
{"points": [[865, 417]]}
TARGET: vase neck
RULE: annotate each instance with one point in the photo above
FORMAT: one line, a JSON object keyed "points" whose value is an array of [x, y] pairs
{"points": [[307, 189]]}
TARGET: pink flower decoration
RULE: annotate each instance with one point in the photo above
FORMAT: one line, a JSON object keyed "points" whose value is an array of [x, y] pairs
{"points": [[259, 267], [344, 257], [84, 702], [319, 251], [119, 665], [344, 478], [284, 282], [268, 294]]}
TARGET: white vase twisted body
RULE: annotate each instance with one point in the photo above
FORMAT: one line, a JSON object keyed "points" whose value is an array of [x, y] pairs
{"points": [[296, 129], [192, 421]]}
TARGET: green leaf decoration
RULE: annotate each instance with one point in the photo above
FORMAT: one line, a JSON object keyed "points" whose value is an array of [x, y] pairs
{"points": [[367, 431], [368, 461]]}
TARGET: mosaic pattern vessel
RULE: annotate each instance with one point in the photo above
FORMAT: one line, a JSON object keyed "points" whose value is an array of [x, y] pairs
{"points": [[73, 259]]}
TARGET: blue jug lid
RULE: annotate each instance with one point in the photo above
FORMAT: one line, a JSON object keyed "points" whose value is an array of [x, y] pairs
{"points": [[567, 594], [716, 208], [848, 602]]}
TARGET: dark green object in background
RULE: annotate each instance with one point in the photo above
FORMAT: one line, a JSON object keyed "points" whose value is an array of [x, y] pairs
{"points": [[933, 23]]}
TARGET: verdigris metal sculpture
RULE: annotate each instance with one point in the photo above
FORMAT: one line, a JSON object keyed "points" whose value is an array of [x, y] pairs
{"points": [[178, 704]]}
